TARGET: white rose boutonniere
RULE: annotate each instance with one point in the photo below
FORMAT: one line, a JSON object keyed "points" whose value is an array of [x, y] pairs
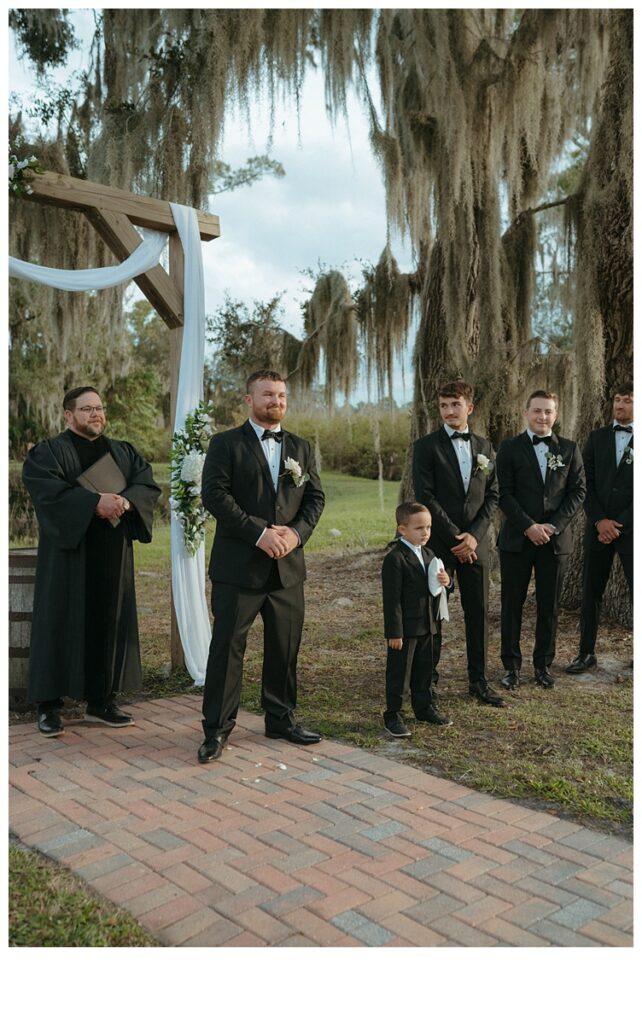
{"points": [[293, 468], [484, 465], [554, 461], [628, 456]]}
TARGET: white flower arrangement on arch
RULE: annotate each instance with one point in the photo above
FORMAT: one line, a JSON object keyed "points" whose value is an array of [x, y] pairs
{"points": [[189, 448], [20, 171]]}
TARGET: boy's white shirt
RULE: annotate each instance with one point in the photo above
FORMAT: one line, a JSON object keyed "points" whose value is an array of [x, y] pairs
{"points": [[434, 586]]}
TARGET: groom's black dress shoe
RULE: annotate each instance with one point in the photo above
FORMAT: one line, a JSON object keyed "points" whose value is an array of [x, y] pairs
{"points": [[544, 678], [291, 733], [582, 663], [212, 748], [50, 723], [510, 679]]}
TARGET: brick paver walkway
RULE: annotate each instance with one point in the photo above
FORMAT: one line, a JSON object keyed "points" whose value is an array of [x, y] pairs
{"points": [[278, 845]]}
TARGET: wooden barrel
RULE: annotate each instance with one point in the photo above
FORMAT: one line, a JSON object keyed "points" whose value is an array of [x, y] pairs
{"points": [[22, 578]]}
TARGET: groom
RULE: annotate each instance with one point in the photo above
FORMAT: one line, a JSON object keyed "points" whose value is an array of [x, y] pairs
{"points": [[261, 485]]}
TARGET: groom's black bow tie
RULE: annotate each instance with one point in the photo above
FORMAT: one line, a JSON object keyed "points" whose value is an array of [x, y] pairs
{"points": [[456, 434], [542, 440], [267, 434], [618, 426]]}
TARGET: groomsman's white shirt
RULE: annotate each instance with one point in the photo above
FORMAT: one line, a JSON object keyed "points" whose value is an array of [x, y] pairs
{"points": [[463, 452], [622, 440], [541, 451]]}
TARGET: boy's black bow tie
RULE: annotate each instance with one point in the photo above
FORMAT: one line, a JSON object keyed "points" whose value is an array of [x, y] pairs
{"points": [[542, 440], [271, 433], [464, 437], [618, 426]]}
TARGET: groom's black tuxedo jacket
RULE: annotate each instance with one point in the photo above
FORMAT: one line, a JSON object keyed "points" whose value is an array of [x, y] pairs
{"points": [[609, 489], [525, 498], [237, 489], [438, 485]]}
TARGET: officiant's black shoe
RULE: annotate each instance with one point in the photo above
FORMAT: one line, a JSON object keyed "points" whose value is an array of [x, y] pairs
{"points": [[544, 678], [50, 723], [582, 663], [109, 715], [510, 679], [486, 695], [433, 716], [290, 732], [212, 748]]}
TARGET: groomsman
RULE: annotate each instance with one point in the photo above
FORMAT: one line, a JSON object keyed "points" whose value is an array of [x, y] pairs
{"points": [[608, 460], [453, 473], [541, 488]]}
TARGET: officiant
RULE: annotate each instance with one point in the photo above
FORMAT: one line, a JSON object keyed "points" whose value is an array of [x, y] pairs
{"points": [[93, 497]]}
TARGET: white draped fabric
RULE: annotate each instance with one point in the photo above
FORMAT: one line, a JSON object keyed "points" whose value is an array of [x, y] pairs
{"points": [[143, 258], [188, 572]]}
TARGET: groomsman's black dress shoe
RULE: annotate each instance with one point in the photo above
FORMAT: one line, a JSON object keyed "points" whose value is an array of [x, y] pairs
{"points": [[582, 663], [433, 716], [50, 723], [486, 695], [396, 726], [510, 679], [544, 678], [212, 748], [290, 732]]}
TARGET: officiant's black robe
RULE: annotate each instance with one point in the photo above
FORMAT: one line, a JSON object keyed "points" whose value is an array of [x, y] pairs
{"points": [[84, 617]]}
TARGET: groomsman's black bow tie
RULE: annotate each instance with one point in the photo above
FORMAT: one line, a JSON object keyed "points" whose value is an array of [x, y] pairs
{"points": [[542, 440], [618, 426], [272, 434], [464, 437]]}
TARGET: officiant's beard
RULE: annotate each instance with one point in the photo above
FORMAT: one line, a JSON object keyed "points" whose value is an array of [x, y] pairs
{"points": [[89, 430]]}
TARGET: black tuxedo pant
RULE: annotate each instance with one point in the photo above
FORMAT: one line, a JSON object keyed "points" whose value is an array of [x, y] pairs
{"points": [[235, 609], [414, 666], [597, 569], [473, 589], [516, 570]]}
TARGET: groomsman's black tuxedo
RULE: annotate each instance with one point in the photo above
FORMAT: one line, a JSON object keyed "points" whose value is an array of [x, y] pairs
{"points": [[238, 490], [526, 499], [438, 485], [410, 611], [609, 495]]}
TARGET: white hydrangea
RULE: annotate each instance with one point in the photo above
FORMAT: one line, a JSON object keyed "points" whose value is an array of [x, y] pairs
{"points": [[192, 468]]}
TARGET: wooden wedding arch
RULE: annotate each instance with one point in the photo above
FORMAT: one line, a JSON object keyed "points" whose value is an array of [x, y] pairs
{"points": [[113, 212]]}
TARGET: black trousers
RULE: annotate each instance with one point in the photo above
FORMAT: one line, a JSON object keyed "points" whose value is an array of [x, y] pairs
{"points": [[235, 609], [597, 569], [415, 663], [516, 571], [473, 589]]}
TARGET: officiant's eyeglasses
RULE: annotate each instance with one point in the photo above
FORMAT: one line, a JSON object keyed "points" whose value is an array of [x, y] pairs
{"points": [[92, 408]]}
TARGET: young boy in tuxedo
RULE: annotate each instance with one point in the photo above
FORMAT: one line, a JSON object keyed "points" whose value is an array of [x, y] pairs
{"points": [[414, 603]]}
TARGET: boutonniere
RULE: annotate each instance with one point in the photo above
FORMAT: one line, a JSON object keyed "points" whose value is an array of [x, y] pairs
{"points": [[628, 456], [484, 465], [293, 469], [554, 461]]}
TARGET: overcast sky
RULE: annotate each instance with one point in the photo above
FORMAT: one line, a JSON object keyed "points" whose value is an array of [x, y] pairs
{"points": [[329, 208]]}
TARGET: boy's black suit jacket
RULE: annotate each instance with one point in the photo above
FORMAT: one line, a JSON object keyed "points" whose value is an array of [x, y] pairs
{"points": [[237, 489], [525, 498], [409, 609], [438, 485], [609, 489]]}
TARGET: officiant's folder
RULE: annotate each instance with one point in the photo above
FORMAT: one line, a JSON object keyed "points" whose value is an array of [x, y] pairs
{"points": [[104, 477]]}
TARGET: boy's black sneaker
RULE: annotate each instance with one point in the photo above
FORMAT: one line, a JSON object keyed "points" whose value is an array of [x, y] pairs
{"points": [[396, 726], [434, 717], [109, 715]]}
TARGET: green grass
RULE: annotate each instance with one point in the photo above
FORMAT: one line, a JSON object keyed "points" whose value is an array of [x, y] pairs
{"points": [[48, 906]]}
